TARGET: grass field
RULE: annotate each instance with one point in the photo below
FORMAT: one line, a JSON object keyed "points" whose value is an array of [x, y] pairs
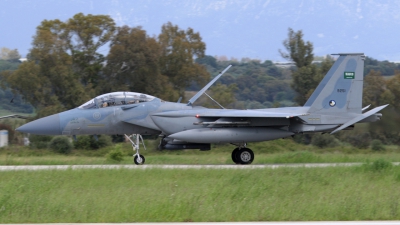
{"points": [[199, 158], [369, 192], [278, 151]]}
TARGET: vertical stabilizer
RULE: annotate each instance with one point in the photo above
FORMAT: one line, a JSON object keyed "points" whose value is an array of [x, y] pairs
{"points": [[341, 89]]}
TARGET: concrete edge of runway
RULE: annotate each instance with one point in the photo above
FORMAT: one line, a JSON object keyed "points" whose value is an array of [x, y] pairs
{"points": [[270, 166]]}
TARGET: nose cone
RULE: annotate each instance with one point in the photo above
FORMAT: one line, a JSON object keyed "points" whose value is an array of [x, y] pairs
{"points": [[49, 125]]}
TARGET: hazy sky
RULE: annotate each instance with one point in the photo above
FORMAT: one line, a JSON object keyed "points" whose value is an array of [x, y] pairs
{"points": [[234, 28]]}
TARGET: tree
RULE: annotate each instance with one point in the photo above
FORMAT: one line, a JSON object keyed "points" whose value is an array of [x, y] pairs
{"points": [[8, 54], [326, 65], [299, 52], [35, 88], [179, 49], [4, 53], [307, 76], [133, 64], [393, 85], [207, 60], [305, 80], [223, 94], [63, 67], [374, 88], [84, 35], [14, 55]]}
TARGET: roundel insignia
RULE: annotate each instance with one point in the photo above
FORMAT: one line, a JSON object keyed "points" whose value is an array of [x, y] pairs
{"points": [[332, 103], [96, 115]]}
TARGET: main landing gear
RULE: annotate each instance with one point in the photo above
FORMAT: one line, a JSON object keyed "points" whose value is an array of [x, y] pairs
{"points": [[135, 139], [242, 155]]}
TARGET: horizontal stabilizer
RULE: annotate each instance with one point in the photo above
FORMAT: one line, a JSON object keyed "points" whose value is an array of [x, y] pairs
{"points": [[359, 118]]}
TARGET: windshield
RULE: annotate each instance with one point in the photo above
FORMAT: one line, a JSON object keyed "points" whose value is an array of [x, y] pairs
{"points": [[116, 98]]}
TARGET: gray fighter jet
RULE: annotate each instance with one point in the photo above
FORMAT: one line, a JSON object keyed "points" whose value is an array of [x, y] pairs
{"points": [[335, 105]]}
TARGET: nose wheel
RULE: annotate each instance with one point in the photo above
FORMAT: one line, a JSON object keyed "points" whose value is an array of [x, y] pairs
{"points": [[242, 156], [138, 159], [135, 139]]}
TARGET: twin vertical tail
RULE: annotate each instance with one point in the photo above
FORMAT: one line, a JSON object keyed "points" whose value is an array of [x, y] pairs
{"points": [[341, 89]]}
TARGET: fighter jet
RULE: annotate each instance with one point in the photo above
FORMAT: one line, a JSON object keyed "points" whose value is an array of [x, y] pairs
{"points": [[335, 105]]}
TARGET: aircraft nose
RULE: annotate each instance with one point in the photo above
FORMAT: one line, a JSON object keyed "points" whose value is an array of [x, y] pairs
{"points": [[49, 125]]}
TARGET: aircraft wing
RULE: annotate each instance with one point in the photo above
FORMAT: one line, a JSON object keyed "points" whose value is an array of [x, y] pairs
{"points": [[230, 113]]}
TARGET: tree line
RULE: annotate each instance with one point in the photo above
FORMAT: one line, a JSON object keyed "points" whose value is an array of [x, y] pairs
{"points": [[263, 85], [377, 91], [66, 68]]}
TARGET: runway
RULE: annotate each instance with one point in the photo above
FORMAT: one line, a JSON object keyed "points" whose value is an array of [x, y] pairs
{"points": [[269, 166]]}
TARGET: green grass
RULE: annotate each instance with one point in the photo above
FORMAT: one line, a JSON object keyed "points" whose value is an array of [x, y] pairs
{"points": [[152, 195], [279, 151]]}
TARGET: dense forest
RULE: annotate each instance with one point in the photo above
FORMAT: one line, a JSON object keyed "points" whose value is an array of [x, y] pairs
{"points": [[264, 84], [65, 69]]}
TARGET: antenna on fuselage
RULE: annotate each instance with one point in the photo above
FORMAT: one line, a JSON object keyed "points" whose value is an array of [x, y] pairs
{"points": [[205, 88]]}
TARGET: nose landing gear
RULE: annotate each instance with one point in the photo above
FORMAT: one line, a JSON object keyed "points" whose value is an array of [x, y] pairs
{"points": [[135, 139]]}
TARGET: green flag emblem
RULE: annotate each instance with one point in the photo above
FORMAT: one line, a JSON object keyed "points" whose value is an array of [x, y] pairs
{"points": [[349, 75]]}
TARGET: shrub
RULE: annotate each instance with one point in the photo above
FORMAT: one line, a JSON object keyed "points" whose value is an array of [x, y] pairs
{"points": [[39, 141], [116, 154], [378, 165], [90, 143], [304, 139], [324, 141], [82, 142], [359, 140], [377, 145], [104, 140], [61, 144], [117, 138]]}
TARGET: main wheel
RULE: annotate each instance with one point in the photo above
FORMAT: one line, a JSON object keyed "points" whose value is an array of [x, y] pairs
{"points": [[139, 160], [234, 155], [245, 156]]}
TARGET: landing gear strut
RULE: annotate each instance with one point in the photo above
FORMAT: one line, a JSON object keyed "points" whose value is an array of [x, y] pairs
{"points": [[135, 139], [242, 155]]}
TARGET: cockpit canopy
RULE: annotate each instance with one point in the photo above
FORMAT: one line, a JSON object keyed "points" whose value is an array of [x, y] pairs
{"points": [[116, 98]]}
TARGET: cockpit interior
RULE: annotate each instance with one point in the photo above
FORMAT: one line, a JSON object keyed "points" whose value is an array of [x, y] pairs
{"points": [[116, 98]]}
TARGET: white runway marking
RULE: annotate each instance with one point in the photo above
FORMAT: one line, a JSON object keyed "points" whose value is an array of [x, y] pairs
{"points": [[270, 166]]}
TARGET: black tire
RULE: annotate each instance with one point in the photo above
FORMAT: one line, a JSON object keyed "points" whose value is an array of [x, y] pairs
{"points": [[245, 156], [234, 155], [139, 161]]}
